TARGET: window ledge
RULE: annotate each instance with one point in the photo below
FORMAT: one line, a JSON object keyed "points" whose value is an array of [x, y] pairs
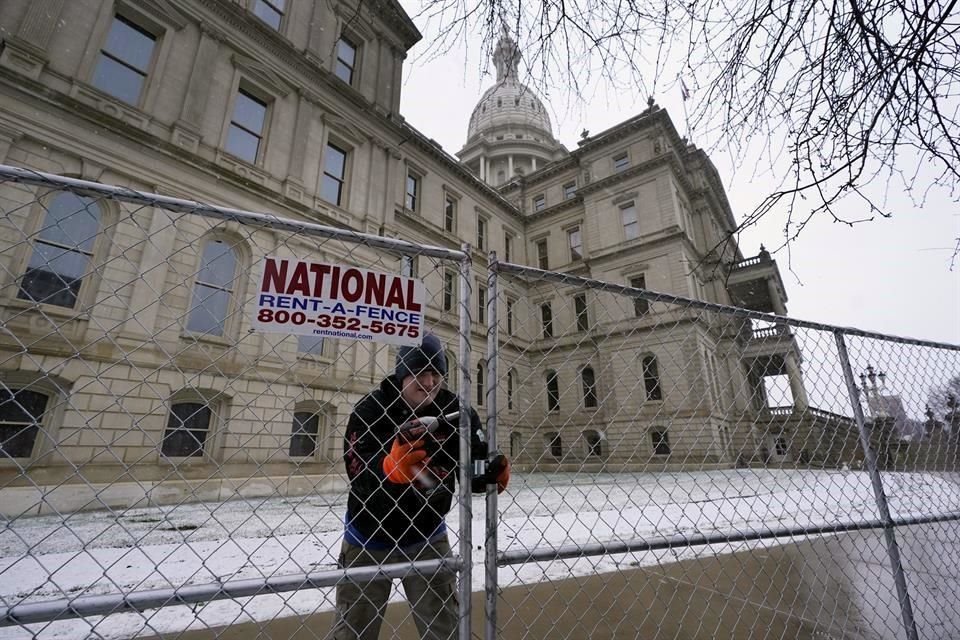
{"points": [[206, 338], [62, 313]]}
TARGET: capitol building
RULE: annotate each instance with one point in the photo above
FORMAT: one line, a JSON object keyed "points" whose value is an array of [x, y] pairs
{"points": [[129, 371]]}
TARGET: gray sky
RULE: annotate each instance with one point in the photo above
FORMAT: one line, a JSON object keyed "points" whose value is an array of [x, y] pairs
{"points": [[889, 275]]}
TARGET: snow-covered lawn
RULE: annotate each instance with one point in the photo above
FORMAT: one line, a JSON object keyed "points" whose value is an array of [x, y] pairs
{"points": [[50, 557]]}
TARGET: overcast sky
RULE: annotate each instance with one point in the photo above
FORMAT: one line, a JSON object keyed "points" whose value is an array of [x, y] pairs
{"points": [[889, 275]]}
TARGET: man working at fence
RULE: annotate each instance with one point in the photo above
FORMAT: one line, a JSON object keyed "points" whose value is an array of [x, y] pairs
{"points": [[401, 488]]}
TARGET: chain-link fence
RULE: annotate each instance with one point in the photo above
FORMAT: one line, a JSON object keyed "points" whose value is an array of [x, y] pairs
{"points": [[172, 442], [175, 386], [692, 470]]}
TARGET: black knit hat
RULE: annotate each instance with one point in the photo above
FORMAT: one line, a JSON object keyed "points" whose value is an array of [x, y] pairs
{"points": [[429, 355]]}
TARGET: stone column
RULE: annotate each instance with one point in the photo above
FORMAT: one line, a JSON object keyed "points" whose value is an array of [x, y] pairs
{"points": [[141, 321], [509, 167], [483, 168], [795, 378], [26, 51], [293, 185], [187, 128]]}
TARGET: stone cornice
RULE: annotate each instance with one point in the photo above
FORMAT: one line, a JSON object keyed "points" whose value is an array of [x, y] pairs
{"points": [[548, 171]]}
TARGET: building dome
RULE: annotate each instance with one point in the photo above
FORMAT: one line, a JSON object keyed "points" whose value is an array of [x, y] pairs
{"points": [[510, 131], [509, 105]]}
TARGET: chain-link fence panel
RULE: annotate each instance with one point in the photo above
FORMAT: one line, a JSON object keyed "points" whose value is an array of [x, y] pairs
{"points": [[686, 470], [179, 389]]}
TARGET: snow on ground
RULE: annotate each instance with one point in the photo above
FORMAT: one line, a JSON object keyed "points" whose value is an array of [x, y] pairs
{"points": [[49, 557]]}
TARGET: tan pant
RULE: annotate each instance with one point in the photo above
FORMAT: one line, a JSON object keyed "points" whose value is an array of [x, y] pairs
{"points": [[432, 598]]}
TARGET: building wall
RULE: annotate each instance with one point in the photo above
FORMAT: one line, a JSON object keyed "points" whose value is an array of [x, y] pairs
{"points": [[115, 363]]}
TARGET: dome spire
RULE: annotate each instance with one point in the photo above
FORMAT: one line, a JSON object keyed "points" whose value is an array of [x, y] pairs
{"points": [[506, 57]]}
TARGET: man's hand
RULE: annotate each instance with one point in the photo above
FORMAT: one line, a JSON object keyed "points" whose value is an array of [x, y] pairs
{"points": [[498, 471], [405, 461]]}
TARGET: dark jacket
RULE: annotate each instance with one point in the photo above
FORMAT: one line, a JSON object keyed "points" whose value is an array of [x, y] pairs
{"points": [[401, 514]]}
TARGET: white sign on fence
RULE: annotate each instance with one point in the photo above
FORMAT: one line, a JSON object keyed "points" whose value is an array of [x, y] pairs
{"points": [[338, 301]]}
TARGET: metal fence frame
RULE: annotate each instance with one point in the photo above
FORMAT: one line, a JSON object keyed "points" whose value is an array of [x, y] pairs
{"points": [[83, 606], [887, 523]]}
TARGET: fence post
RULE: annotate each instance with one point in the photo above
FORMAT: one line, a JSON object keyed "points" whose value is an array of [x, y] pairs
{"points": [[465, 588], [893, 549], [490, 541]]}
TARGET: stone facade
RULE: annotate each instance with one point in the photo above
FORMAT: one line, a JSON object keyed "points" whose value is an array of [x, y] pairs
{"points": [[232, 103]]}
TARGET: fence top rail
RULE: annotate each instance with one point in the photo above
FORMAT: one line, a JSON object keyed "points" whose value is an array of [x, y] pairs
{"points": [[654, 296], [249, 218]]}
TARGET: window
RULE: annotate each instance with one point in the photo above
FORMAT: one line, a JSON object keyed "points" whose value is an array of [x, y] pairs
{"points": [[580, 309], [270, 11], [21, 417], [507, 247], [304, 434], [575, 243], [516, 445], [449, 297], [124, 61], [780, 446], [481, 304], [594, 444], [539, 202], [651, 378], [628, 216], [589, 387], [187, 429], [570, 191], [501, 176], [640, 305], [213, 290], [413, 189], [555, 444], [510, 304], [510, 377], [660, 440], [546, 318], [334, 174], [481, 381], [246, 126], [410, 266], [481, 233], [310, 345], [621, 161], [542, 261], [346, 63], [62, 251], [450, 214], [452, 379], [553, 391]]}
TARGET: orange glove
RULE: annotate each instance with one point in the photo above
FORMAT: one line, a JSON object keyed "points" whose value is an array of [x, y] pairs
{"points": [[499, 471], [405, 461]]}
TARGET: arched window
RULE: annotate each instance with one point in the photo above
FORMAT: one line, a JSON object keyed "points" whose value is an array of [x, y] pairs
{"points": [[651, 378], [308, 430], [453, 372], [554, 443], [594, 443], [21, 418], [213, 291], [62, 251], [190, 423], [516, 445], [481, 384], [589, 387], [553, 391]]}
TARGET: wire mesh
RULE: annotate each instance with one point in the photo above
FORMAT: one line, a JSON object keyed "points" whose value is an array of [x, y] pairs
{"points": [[157, 447], [690, 470], [680, 469]]}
